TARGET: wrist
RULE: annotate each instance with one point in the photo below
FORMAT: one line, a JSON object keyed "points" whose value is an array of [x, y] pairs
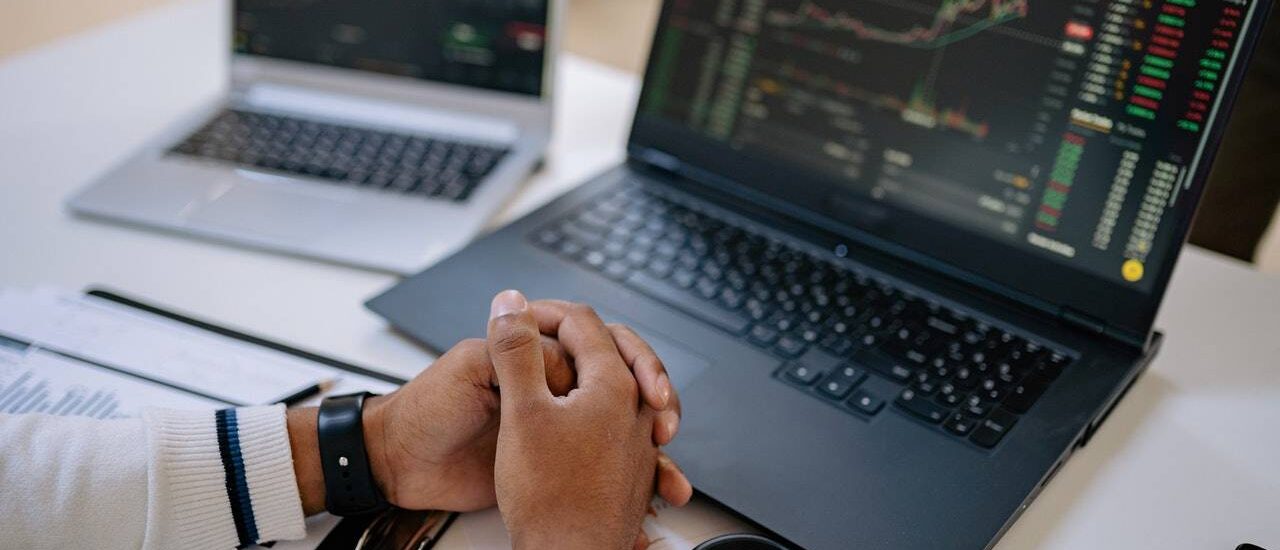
{"points": [[560, 540], [375, 444], [305, 446]]}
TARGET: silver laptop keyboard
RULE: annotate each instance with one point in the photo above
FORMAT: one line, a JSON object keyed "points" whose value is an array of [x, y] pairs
{"points": [[412, 165]]}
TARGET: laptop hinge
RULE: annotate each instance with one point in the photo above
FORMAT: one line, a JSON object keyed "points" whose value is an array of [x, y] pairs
{"points": [[1098, 326], [659, 160], [1081, 320]]}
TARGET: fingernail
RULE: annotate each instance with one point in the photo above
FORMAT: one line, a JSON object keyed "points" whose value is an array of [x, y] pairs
{"points": [[664, 389], [673, 425], [506, 303]]}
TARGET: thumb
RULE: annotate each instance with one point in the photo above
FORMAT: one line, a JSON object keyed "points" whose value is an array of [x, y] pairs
{"points": [[515, 348]]}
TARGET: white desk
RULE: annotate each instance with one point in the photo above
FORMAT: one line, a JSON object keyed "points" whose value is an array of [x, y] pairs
{"points": [[1190, 459]]}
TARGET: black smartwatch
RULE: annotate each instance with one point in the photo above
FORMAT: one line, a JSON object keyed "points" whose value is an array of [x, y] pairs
{"points": [[349, 489]]}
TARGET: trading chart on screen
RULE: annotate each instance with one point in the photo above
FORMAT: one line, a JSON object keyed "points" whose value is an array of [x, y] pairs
{"points": [[496, 44], [1069, 128]]}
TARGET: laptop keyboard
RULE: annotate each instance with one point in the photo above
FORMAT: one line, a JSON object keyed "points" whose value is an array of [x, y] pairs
{"points": [[831, 326], [412, 165]]}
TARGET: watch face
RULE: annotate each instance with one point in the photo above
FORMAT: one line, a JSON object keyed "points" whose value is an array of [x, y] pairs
{"points": [[742, 541]]}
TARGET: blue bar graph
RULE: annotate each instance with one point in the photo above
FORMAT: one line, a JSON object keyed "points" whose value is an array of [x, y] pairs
{"points": [[29, 394]]}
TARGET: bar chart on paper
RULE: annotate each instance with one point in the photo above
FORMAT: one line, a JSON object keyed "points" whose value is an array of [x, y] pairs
{"points": [[35, 380], [30, 394]]}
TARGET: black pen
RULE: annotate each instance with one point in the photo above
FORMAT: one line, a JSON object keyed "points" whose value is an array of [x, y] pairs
{"points": [[307, 392]]}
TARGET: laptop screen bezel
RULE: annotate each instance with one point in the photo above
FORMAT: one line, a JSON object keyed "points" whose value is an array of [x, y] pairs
{"points": [[1027, 277]]}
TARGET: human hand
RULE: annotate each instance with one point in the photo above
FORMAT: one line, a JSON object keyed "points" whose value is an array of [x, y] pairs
{"points": [[577, 471], [430, 443]]}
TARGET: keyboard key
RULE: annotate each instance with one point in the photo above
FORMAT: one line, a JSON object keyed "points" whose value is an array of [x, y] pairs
{"points": [[782, 321], [975, 407], [991, 396], [549, 238], [726, 320], [924, 383], [960, 424], [731, 298], [659, 268], [822, 359], [762, 335], [707, 288], [865, 402], [942, 325], [881, 364], [569, 249], [1051, 366], [836, 344], [1007, 374], [789, 346], [965, 378], [839, 383], [809, 334], [993, 429], [617, 269], [1022, 396], [594, 259], [803, 374], [921, 406], [684, 278], [615, 249], [1020, 358]]}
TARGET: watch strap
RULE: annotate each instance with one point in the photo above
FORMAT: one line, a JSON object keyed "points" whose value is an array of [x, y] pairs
{"points": [[349, 486]]}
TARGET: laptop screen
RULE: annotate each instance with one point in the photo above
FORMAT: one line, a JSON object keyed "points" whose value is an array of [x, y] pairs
{"points": [[494, 44], [1055, 147]]}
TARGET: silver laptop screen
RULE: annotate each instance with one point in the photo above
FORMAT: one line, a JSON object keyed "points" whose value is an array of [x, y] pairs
{"points": [[494, 44]]}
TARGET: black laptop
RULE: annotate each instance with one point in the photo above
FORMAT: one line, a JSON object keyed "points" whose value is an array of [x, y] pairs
{"points": [[900, 257]]}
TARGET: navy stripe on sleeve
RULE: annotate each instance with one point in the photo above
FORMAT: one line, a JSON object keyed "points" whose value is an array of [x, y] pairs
{"points": [[236, 481]]}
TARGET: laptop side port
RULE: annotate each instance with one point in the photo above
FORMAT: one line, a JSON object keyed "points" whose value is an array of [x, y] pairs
{"points": [[1145, 361]]}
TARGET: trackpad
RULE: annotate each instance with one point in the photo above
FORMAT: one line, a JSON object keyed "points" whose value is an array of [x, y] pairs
{"points": [[683, 365], [269, 213]]}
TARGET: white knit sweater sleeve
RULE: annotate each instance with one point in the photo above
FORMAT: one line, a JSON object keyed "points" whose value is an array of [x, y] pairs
{"points": [[171, 479]]}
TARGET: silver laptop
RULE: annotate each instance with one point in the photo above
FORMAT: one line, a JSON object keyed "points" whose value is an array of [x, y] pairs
{"points": [[376, 134]]}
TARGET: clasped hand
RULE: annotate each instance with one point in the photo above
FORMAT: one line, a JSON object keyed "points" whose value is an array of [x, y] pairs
{"points": [[555, 417]]}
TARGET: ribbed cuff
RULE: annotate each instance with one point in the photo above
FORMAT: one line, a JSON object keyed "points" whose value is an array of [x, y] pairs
{"points": [[221, 480], [268, 462]]}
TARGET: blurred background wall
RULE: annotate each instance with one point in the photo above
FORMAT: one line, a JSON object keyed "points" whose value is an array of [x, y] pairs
{"points": [[28, 23], [1237, 217]]}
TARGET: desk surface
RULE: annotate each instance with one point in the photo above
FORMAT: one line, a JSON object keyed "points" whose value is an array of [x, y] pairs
{"points": [[1187, 460]]}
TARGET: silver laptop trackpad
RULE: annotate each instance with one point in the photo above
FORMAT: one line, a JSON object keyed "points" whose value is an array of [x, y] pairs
{"points": [[271, 213]]}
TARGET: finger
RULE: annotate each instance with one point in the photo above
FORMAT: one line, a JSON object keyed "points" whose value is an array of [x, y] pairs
{"points": [[561, 377], [515, 347], [666, 423], [673, 486], [586, 339], [650, 373], [549, 314], [467, 361], [665, 426], [642, 540], [470, 358]]}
